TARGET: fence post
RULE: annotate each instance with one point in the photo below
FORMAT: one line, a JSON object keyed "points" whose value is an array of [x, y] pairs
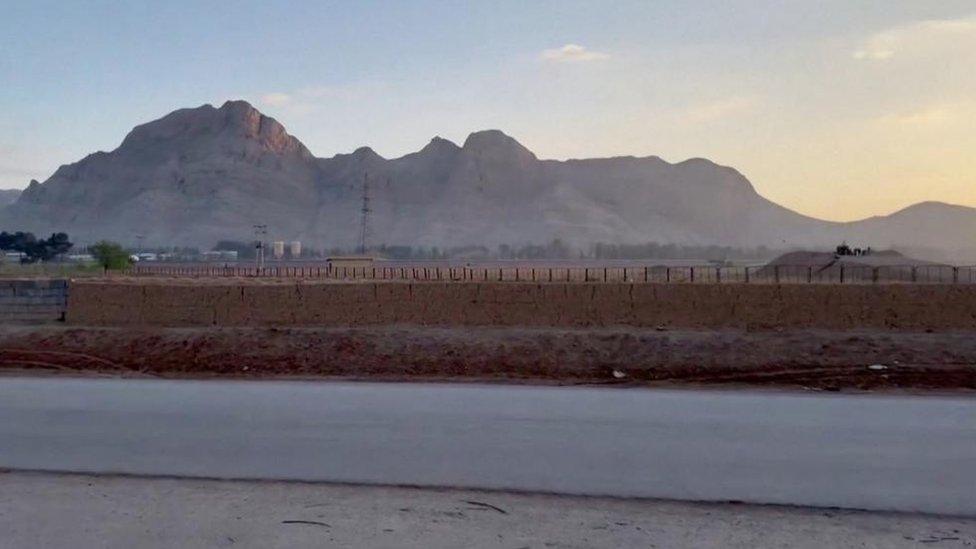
{"points": [[776, 273], [955, 275], [747, 275], [667, 274], [914, 273], [586, 274], [604, 274], [550, 274], [692, 274], [874, 275], [841, 274], [718, 275], [645, 274]]}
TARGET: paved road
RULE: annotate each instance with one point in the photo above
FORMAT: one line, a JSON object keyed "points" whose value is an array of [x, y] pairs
{"points": [[869, 452]]}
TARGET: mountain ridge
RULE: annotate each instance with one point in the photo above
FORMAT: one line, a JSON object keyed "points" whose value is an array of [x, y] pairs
{"points": [[199, 175]]}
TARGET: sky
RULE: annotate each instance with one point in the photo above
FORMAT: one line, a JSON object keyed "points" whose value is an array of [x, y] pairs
{"points": [[839, 109]]}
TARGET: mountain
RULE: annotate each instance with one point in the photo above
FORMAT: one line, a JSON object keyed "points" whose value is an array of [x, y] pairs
{"points": [[9, 196], [201, 175]]}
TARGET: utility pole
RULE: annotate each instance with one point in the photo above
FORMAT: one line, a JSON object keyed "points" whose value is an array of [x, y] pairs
{"points": [[260, 232], [364, 229]]}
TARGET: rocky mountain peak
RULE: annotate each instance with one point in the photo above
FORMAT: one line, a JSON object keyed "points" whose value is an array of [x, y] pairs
{"points": [[234, 121], [496, 145], [440, 145]]}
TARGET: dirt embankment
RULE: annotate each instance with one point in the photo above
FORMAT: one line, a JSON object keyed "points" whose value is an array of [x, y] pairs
{"points": [[826, 360], [175, 303]]}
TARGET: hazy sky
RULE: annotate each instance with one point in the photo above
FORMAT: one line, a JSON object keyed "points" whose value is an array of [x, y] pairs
{"points": [[839, 109]]}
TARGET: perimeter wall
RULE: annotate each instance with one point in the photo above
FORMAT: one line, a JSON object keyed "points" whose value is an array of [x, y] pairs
{"points": [[761, 306], [32, 300]]}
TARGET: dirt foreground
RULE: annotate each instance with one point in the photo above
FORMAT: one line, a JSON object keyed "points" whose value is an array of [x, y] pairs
{"points": [[808, 359]]}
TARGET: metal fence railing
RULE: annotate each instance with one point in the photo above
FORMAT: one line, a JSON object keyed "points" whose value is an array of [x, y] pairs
{"points": [[703, 274]]}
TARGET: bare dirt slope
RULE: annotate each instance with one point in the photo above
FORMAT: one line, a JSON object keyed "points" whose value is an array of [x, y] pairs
{"points": [[828, 360]]}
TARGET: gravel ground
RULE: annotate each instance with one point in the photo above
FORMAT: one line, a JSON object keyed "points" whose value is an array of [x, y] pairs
{"points": [[811, 359], [79, 512]]}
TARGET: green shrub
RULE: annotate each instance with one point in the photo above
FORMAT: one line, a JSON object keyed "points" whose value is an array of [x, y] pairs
{"points": [[110, 255]]}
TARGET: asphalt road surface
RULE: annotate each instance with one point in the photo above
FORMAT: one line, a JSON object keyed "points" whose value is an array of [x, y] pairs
{"points": [[899, 453]]}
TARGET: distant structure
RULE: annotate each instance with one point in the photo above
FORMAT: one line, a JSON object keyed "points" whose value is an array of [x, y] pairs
{"points": [[278, 249], [845, 250], [260, 231], [295, 248], [364, 225]]}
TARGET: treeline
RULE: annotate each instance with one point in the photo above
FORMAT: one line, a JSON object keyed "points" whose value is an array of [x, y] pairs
{"points": [[35, 249]]}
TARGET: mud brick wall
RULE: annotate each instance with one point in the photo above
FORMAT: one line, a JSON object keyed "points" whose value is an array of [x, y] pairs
{"points": [[32, 300], [242, 303]]}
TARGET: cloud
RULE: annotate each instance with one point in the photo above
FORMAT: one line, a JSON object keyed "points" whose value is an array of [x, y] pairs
{"points": [[571, 53], [311, 98], [936, 116], [880, 46], [943, 34], [276, 99], [719, 109]]}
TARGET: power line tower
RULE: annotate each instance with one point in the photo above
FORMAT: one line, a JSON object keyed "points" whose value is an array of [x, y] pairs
{"points": [[364, 223], [260, 232]]}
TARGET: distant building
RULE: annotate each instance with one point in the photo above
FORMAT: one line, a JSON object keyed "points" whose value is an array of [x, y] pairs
{"points": [[295, 248], [278, 249]]}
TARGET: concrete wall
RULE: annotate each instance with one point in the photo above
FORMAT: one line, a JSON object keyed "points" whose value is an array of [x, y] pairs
{"points": [[237, 303], [32, 300]]}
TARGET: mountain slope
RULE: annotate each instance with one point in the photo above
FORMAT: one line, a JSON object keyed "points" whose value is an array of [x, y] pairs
{"points": [[9, 196], [200, 175]]}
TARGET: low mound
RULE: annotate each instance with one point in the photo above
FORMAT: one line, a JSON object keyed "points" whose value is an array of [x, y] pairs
{"points": [[885, 265]]}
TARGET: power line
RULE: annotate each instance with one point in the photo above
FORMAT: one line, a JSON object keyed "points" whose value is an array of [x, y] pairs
{"points": [[364, 224]]}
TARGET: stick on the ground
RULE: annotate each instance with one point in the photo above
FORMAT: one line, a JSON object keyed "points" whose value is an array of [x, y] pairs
{"points": [[487, 505]]}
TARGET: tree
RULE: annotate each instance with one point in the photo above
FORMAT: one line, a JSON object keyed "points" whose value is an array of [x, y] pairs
{"points": [[110, 255], [59, 244], [33, 249]]}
